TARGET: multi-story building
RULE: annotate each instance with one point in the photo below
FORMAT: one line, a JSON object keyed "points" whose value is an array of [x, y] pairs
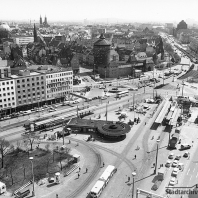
{"points": [[7, 90], [23, 40], [30, 88]]}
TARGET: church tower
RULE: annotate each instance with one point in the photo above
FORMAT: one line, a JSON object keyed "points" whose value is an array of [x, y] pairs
{"points": [[35, 34], [45, 20], [41, 21]]}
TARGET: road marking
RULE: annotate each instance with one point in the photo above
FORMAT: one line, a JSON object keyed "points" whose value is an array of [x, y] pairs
{"points": [[190, 177], [193, 170], [188, 171]]}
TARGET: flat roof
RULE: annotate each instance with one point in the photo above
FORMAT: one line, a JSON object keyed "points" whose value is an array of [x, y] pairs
{"points": [[31, 74]]}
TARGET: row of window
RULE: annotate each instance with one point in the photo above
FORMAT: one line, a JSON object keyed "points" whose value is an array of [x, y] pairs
{"points": [[28, 79], [58, 75], [28, 85], [29, 95], [30, 100], [29, 90], [60, 94], [7, 83], [6, 99], [7, 105], [59, 80], [6, 88]]}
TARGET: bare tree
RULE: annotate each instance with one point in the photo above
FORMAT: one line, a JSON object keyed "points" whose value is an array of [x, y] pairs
{"points": [[30, 138], [4, 149]]}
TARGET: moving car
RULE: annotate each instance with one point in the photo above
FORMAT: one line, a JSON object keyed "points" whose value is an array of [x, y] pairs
{"points": [[185, 147], [186, 154], [133, 89]]}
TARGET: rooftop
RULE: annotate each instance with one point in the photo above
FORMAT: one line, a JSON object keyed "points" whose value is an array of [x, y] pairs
{"points": [[102, 41], [47, 69]]}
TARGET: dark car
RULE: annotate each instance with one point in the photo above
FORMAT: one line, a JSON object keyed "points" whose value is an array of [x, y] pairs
{"points": [[185, 147]]}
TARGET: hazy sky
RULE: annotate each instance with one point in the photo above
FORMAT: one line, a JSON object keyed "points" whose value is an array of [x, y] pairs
{"points": [[68, 10]]}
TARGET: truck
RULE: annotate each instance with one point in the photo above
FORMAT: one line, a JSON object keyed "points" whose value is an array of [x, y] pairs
{"points": [[160, 177], [173, 141]]}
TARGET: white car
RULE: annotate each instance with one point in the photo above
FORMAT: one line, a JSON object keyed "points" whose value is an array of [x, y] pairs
{"points": [[171, 155], [172, 181], [175, 163], [133, 89], [175, 172]]}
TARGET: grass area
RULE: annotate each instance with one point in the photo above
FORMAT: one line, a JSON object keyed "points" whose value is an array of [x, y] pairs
{"points": [[17, 170]]}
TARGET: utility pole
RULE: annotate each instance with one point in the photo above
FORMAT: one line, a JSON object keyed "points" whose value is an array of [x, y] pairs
{"points": [[106, 111], [182, 88]]}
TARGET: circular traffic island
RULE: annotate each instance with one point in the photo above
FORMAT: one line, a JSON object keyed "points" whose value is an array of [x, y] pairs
{"points": [[113, 130]]}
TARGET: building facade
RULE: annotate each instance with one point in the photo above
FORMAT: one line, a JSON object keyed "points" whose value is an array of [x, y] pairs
{"points": [[23, 40], [29, 87], [59, 84]]}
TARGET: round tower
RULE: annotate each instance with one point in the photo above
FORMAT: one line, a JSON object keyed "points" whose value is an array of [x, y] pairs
{"points": [[101, 51]]}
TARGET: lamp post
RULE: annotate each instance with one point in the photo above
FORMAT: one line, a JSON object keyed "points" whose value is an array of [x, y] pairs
{"points": [[31, 160], [155, 171], [133, 175]]}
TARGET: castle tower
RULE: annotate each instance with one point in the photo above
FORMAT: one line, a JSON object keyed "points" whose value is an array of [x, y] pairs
{"points": [[102, 55]]}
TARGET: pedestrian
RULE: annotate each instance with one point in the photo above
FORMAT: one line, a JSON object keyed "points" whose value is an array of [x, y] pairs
{"points": [[153, 164], [69, 141], [145, 123], [103, 164], [56, 195], [128, 179], [78, 175], [135, 157], [79, 169], [86, 170]]}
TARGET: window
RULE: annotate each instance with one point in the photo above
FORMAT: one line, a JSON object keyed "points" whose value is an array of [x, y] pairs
{"points": [[42, 92], [28, 80], [3, 89], [12, 93], [24, 96], [3, 83], [8, 99], [11, 82], [0, 100], [5, 100], [37, 83], [8, 94], [4, 94], [12, 87], [24, 101], [23, 85], [13, 103], [38, 93], [7, 83], [12, 98], [23, 91], [18, 81], [19, 102], [37, 78], [33, 89], [29, 95], [28, 85], [8, 88], [23, 80], [33, 94], [19, 97], [32, 79], [19, 92], [29, 90], [42, 77], [38, 88], [18, 86], [32, 84], [5, 105]]}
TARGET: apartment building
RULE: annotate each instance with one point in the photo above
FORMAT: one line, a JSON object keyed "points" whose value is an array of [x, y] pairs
{"points": [[23, 40], [29, 87]]}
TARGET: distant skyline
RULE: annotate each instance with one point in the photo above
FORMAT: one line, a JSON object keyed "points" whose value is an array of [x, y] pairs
{"points": [[78, 10]]}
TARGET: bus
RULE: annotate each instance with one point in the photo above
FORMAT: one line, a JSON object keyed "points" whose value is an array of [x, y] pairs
{"points": [[107, 174], [103, 181], [122, 93]]}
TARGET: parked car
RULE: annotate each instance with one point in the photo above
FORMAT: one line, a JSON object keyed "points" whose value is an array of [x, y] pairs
{"points": [[175, 172], [171, 155], [178, 157], [172, 181], [133, 89], [175, 163], [185, 147], [168, 163]]}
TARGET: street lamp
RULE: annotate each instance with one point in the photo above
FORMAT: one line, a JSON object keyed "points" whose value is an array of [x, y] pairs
{"points": [[133, 175], [156, 157], [31, 160]]}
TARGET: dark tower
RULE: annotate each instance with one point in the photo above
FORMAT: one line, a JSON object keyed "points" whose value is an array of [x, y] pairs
{"points": [[41, 21], [35, 34], [45, 20], [102, 55]]}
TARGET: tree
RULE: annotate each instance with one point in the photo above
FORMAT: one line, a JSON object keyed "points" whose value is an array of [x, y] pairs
{"points": [[30, 138], [4, 148]]}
